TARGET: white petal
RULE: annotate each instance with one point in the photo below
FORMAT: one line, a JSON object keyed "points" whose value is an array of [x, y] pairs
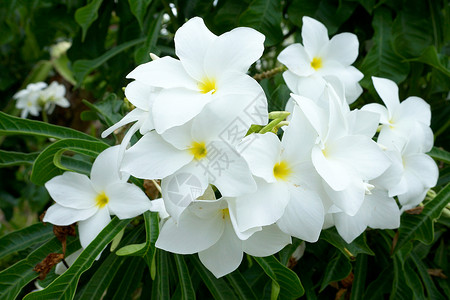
{"points": [[174, 107], [158, 206], [183, 187], [141, 95], [363, 122], [414, 108], [105, 169], [262, 152], [192, 234], [180, 136], [334, 172], [165, 72], [378, 109], [314, 35], [360, 153], [126, 200], [316, 116], [72, 190], [304, 215], [153, 158], [350, 227], [264, 207], [61, 268], [351, 198], [227, 170], [235, 50], [266, 242], [384, 212], [132, 116], [311, 87], [296, 59], [225, 256], [343, 48], [424, 167], [63, 216], [192, 40], [291, 80], [90, 228], [388, 91]]}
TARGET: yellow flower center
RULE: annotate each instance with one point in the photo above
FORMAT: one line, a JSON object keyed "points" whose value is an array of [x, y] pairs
{"points": [[207, 85], [101, 200], [225, 213], [281, 170], [198, 150], [316, 63]]}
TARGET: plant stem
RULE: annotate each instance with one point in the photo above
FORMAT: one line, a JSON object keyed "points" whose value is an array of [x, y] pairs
{"points": [[269, 73]]}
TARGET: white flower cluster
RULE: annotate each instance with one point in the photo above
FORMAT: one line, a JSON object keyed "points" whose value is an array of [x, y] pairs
{"points": [[194, 113], [38, 96]]}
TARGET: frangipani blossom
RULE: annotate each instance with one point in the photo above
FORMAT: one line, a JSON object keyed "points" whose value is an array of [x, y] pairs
{"points": [[208, 227], [310, 64], [287, 182], [54, 94], [345, 159], [398, 119], [90, 202], [196, 150], [209, 67], [27, 99]]}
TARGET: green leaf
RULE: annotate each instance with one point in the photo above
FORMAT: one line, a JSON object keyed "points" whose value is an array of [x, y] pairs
{"points": [[400, 289], [432, 291], [432, 58], [25, 238], [440, 154], [61, 65], [130, 279], [142, 54], [240, 286], [288, 282], [381, 60], [11, 158], [10, 125], [421, 226], [351, 250], [337, 269], [20, 274], [83, 67], [359, 281], [264, 16], [64, 286], [139, 9], [218, 287], [187, 290], [160, 287], [86, 15], [51, 163]]}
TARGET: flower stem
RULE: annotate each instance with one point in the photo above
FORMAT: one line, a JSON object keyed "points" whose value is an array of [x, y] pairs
{"points": [[44, 116], [269, 73]]}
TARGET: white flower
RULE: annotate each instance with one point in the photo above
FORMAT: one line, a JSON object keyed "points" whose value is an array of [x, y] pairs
{"points": [[398, 119], [310, 64], [61, 268], [210, 67], [344, 157], [286, 182], [195, 151], [209, 228], [90, 202], [27, 99], [53, 95]]}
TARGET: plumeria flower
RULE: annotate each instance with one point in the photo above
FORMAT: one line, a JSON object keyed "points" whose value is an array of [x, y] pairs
{"points": [[310, 64], [209, 228], [287, 182], [53, 95], [27, 99], [210, 67], [397, 119], [419, 171], [344, 159], [90, 202], [377, 211], [195, 152]]}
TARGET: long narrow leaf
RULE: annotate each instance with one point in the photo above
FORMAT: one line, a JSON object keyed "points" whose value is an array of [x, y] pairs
{"points": [[11, 158], [187, 290]]}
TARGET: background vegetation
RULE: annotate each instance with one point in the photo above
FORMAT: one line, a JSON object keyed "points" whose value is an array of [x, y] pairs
{"points": [[406, 41]]}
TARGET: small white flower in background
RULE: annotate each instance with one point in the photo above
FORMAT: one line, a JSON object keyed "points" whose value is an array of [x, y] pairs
{"points": [[27, 99], [310, 64], [53, 95], [398, 119], [209, 229], [59, 49], [90, 202], [286, 182], [210, 67]]}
